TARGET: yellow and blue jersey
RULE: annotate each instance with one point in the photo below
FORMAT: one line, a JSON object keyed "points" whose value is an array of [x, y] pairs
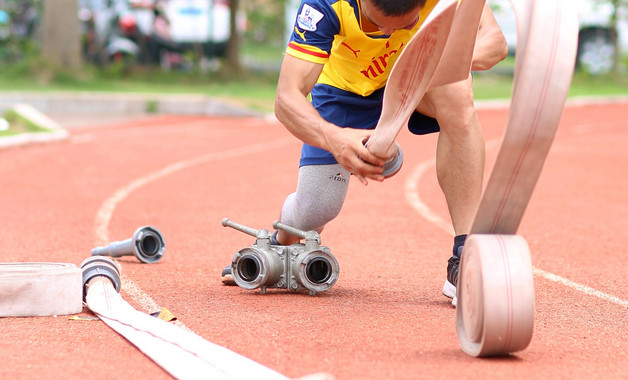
{"points": [[330, 32], [357, 64]]}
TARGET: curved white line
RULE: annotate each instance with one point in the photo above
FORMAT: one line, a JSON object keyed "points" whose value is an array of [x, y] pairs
{"points": [[579, 287], [413, 197]]}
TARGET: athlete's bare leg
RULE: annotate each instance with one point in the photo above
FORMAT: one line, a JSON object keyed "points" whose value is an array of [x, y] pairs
{"points": [[460, 150]]}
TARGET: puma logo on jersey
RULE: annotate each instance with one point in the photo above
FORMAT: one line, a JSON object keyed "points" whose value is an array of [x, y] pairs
{"points": [[379, 64], [355, 52], [301, 34]]}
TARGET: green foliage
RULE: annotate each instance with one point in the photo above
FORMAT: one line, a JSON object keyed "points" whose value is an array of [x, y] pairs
{"points": [[14, 50], [15, 38], [611, 84], [17, 124], [265, 21], [151, 106], [37, 75]]}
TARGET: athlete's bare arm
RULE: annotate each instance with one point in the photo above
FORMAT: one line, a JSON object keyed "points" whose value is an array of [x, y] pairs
{"points": [[490, 45], [292, 108]]}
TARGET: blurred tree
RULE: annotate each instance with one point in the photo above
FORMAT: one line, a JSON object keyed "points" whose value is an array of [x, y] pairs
{"points": [[19, 29], [266, 21], [619, 6], [233, 45], [61, 33]]}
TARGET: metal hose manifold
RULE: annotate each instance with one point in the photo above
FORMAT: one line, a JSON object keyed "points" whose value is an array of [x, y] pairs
{"points": [[298, 267]]}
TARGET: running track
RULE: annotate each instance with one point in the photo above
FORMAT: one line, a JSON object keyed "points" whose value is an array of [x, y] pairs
{"points": [[384, 319]]}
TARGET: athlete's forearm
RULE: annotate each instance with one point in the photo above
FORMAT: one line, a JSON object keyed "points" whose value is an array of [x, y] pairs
{"points": [[298, 115], [293, 109]]}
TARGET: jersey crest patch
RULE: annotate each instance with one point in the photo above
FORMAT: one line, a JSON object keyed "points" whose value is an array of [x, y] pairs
{"points": [[308, 18]]}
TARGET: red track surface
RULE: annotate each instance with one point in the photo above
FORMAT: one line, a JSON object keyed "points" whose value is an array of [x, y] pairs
{"points": [[384, 319]]}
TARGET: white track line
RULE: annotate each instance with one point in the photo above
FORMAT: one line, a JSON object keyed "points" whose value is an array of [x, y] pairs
{"points": [[413, 197], [579, 287], [108, 207]]}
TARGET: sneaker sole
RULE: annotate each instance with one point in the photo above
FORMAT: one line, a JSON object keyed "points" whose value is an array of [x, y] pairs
{"points": [[449, 290], [228, 280]]}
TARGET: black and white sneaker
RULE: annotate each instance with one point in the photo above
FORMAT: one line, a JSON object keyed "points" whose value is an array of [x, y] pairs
{"points": [[449, 289], [227, 277]]}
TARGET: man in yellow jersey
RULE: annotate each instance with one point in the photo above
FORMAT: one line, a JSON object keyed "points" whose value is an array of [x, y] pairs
{"points": [[341, 53]]}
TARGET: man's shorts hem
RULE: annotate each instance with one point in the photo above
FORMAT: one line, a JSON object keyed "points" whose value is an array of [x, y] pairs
{"points": [[420, 124], [318, 161]]}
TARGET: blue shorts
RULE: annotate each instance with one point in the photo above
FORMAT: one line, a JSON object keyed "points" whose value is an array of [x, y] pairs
{"points": [[346, 109]]}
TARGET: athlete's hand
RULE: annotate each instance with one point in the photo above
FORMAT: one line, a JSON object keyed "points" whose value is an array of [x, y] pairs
{"points": [[347, 146]]}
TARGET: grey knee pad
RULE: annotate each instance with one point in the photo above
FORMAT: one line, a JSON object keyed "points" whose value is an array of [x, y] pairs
{"points": [[321, 192]]}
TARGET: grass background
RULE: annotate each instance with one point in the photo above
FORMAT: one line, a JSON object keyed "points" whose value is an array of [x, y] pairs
{"points": [[251, 87], [18, 124]]}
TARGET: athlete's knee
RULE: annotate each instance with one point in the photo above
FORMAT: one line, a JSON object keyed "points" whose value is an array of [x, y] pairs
{"points": [[315, 213], [310, 213], [452, 105], [320, 194]]}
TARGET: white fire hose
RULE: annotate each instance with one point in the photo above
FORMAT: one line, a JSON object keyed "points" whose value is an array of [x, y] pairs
{"points": [[39, 289], [46, 289], [181, 353]]}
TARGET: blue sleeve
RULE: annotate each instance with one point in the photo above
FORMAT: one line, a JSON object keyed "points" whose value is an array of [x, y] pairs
{"points": [[316, 24]]}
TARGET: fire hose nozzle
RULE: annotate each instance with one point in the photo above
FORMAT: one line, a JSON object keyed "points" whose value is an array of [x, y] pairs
{"points": [[147, 244], [96, 266]]}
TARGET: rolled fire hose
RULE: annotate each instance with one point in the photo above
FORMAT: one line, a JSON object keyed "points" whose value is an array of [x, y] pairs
{"points": [[40, 289], [496, 292], [45, 289], [495, 310]]}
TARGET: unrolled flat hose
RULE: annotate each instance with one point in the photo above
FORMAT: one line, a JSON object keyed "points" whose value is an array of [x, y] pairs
{"points": [[181, 353]]}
